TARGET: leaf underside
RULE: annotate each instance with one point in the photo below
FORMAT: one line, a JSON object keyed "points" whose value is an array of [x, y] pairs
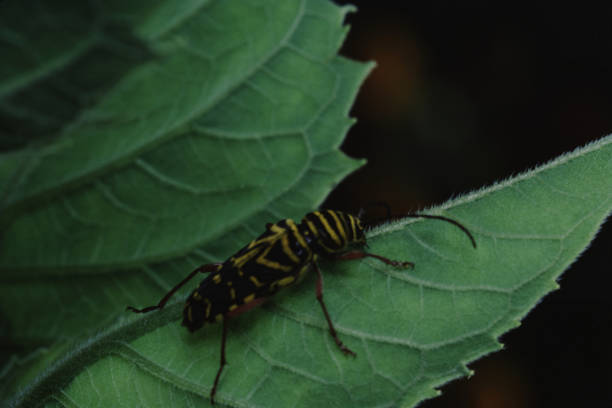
{"points": [[217, 128]]}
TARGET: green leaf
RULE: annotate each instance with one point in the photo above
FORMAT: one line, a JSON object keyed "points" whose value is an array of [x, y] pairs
{"points": [[218, 127], [226, 115], [222, 132], [412, 329], [50, 76]]}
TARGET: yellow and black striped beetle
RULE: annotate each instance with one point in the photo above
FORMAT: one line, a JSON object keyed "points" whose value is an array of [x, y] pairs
{"points": [[276, 259]]}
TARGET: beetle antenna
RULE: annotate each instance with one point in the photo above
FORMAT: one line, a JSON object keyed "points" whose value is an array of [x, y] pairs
{"points": [[450, 220]]}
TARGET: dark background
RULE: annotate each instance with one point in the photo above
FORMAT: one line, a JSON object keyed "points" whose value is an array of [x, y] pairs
{"points": [[465, 94]]}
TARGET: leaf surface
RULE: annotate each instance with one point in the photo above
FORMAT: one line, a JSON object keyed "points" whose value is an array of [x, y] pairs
{"points": [[182, 157], [214, 127], [412, 330]]}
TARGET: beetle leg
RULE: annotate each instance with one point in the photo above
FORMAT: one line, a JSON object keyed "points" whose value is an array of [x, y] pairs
{"points": [[357, 254], [221, 364], [213, 267], [332, 330], [227, 316]]}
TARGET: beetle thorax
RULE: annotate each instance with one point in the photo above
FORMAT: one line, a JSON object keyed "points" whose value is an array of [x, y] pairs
{"points": [[332, 232]]}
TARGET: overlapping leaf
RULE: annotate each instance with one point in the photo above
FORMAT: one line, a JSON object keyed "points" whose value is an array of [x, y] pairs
{"points": [[218, 127]]}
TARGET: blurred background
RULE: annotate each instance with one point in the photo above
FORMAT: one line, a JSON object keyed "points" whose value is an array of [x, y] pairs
{"points": [[467, 93]]}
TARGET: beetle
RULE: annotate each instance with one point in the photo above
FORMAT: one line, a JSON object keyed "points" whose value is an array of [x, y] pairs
{"points": [[276, 259]]}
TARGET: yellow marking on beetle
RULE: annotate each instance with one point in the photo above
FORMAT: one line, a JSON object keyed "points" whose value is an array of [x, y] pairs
{"points": [[233, 293], [244, 258], [286, 281], [263, 241], [328, 228], [255, 281], [359, 224], [219, 317], [341, 229], [217, 278], [353, 226], [277, 228], [232, 307], [273, 264], [189, 314], [287, 249], [275, 232], [262, 260], [312, 228], [299, 238], [196, 295], [208, 307], [305, 268], [249, 298]]}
